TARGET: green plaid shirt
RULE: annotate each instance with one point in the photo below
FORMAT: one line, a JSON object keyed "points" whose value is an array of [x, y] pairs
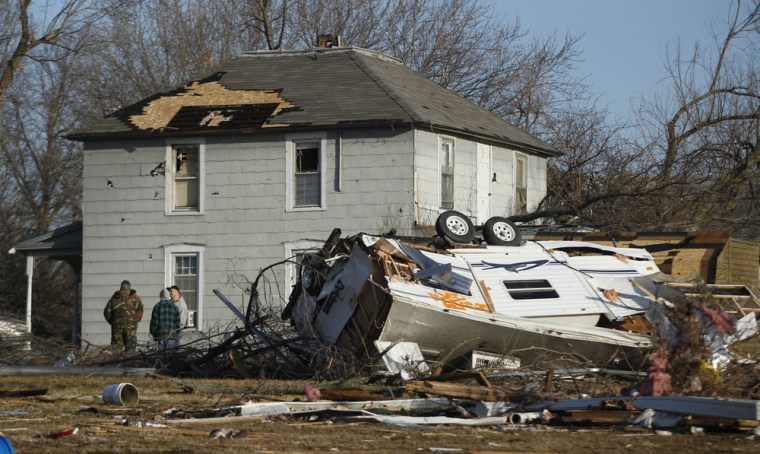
{"points": [[164, 321]]}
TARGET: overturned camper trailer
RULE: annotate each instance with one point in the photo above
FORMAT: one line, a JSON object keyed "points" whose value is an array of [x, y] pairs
{"points": [[547, 303]]}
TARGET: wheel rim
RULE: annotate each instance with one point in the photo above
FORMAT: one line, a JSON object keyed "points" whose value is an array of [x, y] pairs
{"points": [[503, 231], [457, 225]]}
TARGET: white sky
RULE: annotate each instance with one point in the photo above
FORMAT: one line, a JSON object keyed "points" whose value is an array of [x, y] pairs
{"points": [[623, 43]]}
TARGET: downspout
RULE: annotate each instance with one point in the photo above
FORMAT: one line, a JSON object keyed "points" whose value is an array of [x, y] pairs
{"points": [[75, 312], [29, 276], [415, 194]]}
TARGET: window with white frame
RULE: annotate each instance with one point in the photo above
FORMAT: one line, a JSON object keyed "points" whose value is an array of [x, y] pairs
{"points": [[184, 178], [295, 251], [446, 161], [521, 184], [305, 185], [184, 268]]}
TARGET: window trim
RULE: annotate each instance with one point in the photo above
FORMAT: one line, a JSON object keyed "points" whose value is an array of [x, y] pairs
{"points": [[169, 252], [290, 149], [170, 172], [290, 249], [441, 141]]}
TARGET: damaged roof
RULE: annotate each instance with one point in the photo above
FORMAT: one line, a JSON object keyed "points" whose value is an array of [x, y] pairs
{"points": [[313, 89]]}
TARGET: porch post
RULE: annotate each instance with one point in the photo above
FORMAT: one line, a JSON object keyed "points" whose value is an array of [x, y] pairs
{"points": [[29, 276]]}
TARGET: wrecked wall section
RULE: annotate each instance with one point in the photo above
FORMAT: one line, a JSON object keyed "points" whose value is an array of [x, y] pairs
{"points": [[714, 255], [739, 262]]}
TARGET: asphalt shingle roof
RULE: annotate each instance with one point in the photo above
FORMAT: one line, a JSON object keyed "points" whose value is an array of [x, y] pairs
{"points": [[325, 89]]}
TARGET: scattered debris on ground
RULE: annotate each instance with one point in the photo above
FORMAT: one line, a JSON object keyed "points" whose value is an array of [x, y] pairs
{"points": [[395, 335]]}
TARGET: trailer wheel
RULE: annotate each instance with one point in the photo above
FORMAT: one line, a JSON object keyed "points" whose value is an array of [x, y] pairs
{"points": [[499, 231], [312, 272], [455, 226]]}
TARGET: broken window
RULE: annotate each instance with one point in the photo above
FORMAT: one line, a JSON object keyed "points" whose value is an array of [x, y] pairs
{"points": [[307, 175], [184, 268], [186, 178], [446, 159], [521, 184], [530, 289]]}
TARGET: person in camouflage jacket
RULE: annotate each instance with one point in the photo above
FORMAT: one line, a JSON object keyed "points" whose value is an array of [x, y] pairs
{"points": [[123, 311]]}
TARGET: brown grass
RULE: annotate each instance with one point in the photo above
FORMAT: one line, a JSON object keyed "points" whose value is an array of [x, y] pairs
{"points": [[74, 401]]}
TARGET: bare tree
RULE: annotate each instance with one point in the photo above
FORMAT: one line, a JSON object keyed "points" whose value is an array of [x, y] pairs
{"points": [[693, 160], [269, 18], [156, 45], [705, 133], [40, 171], [20, 33]]}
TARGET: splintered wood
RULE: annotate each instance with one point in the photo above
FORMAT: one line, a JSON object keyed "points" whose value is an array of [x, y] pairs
{"points": [[158, 113], [456, 390]]}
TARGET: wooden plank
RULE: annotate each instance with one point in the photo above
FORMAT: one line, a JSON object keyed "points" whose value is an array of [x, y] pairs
{"points": [[736, 303], [24, 392], [598, 416], [702, 421], [455, 390], [486, 296], [477, 375], [350, 395], [549, 381]]}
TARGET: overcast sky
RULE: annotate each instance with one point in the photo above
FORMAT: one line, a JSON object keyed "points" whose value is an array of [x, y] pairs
{"points": [[623, 41]]}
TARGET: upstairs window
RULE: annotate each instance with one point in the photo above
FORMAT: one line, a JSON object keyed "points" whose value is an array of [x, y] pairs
{"points": [[184, 178], [305, 182], [521, 184], [307, 176], [530, 289], [446, 160]]}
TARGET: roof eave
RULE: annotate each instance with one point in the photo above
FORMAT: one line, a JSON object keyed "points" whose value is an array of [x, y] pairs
{"points": [[546, 152], [143, 134]]}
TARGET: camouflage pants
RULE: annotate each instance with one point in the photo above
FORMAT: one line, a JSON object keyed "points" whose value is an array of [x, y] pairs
{"points": [[124, 338]]}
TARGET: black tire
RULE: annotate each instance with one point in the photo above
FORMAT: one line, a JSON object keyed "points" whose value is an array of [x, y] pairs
{"points": [[455, 226], [499, 231], [311, 274]]}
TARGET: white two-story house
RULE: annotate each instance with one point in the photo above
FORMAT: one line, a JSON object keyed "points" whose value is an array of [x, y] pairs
{"points": [[204, 185]]}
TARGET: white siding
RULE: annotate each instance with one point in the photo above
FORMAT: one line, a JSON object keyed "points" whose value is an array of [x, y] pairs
{"points": [[465, 178], [245, 225]]}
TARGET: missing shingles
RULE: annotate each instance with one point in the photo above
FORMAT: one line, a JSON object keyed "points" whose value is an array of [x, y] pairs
{"points": [[158, 113]]}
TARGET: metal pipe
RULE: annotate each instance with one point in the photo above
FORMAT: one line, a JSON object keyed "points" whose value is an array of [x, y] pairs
{"points": [[520, 418]]}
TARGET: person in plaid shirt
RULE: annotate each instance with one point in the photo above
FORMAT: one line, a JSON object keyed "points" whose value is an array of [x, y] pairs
{"points": [[164, 321]]}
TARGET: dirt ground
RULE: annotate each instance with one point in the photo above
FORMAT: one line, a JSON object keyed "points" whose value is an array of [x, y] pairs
{"points": [[75, 402]]}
